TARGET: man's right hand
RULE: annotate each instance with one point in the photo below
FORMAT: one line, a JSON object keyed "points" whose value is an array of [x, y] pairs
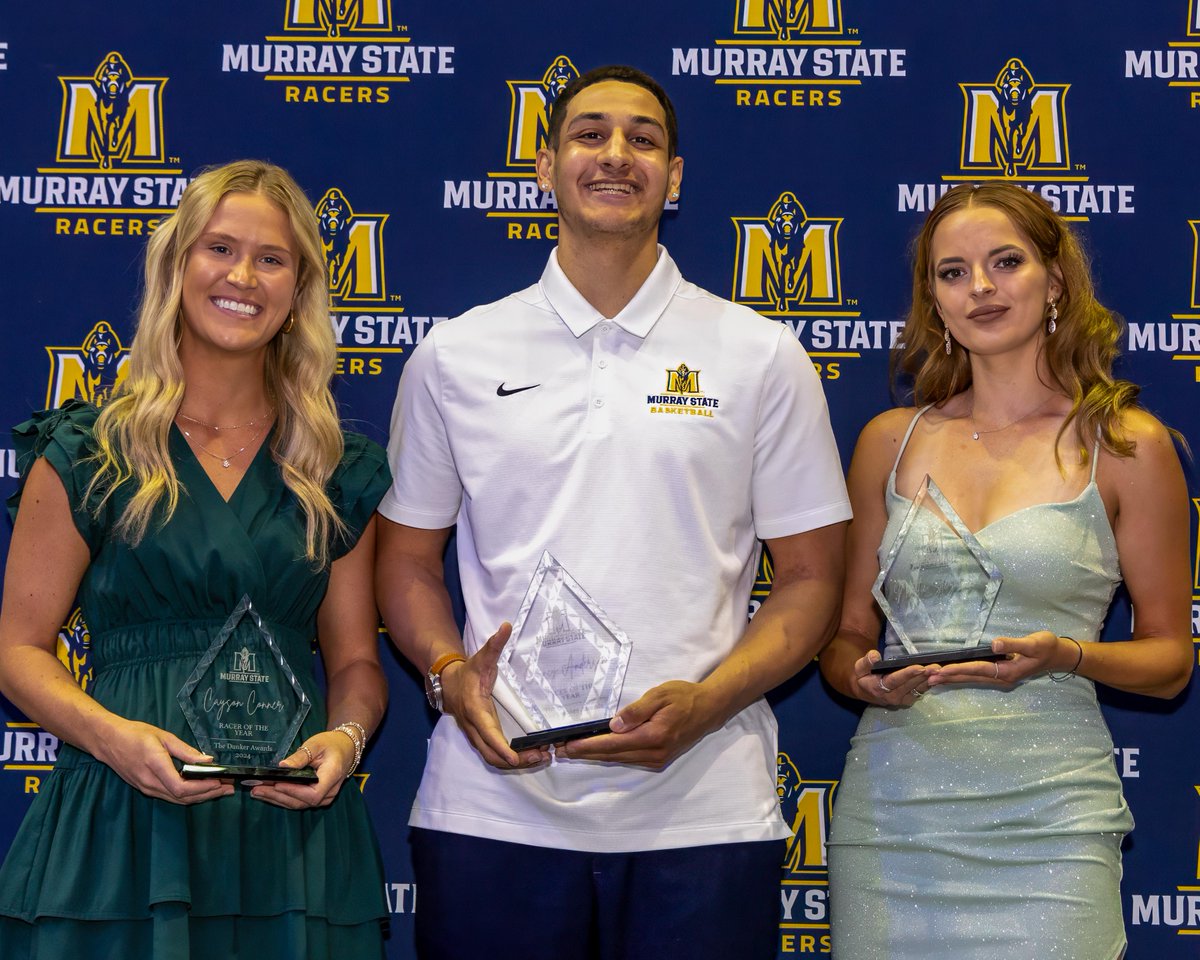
{"points": [[467, 696]]}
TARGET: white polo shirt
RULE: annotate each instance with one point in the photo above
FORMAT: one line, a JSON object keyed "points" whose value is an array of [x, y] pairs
{"points": [[647, 453]]}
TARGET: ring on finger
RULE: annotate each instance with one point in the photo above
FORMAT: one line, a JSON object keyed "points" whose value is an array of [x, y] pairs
{"points": [[883, 686], [996, 667], [307, 753], [918, 694]]}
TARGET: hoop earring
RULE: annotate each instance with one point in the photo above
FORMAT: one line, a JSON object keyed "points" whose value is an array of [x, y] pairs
{"points": [[946, 338], [1052, 323], [288, 323]]}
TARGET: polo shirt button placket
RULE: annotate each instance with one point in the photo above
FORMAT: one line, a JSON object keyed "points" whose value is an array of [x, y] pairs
{"points": [[599, 380]]}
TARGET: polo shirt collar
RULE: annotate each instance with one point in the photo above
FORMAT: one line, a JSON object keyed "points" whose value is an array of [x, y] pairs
{"points": [[639, 315]]}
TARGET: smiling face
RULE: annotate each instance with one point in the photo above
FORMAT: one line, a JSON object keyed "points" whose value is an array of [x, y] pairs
{"points": [[990, 286], [239, 278], [611, 172]]}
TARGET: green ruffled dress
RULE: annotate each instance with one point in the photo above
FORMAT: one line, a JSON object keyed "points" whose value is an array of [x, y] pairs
{"points": [[98, 869]]}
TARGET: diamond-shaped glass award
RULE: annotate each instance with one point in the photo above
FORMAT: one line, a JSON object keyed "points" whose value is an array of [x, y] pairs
{"points": [[566, 659], [243, 702], [937, 580]]}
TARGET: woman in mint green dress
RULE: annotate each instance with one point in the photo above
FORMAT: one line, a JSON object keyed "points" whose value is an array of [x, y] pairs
{"points": [[980, 814], [217, 471]]}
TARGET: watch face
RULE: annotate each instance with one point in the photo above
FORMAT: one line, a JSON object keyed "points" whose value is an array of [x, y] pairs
{"points": [[433, 692]]}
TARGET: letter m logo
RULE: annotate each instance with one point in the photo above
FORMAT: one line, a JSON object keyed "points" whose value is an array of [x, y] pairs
{"points": [[1195, 225], [787, 262], [529, 116], [336, 17], [785, 19], [1013, 125], [683, 380], [806, 806], [112, 117]]}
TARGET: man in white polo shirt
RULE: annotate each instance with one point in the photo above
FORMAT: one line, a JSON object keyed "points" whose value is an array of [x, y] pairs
{"points": [[648, 435]]}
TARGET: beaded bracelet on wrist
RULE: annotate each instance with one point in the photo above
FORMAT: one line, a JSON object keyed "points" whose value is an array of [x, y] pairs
{"points": [[357, 736]]}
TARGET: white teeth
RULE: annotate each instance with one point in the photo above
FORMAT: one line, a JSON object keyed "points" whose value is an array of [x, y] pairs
{"points": [[610, 188], [246, 309]]}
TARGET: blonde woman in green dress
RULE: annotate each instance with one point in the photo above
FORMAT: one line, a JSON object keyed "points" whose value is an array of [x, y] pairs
{"points": [[218, 470]]}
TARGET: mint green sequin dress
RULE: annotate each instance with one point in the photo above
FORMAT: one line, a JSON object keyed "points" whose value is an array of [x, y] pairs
{"points": [[985, 823], [98, 869]]}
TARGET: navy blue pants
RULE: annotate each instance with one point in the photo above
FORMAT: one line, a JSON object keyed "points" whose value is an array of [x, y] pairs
{"points": [[487, 898]]}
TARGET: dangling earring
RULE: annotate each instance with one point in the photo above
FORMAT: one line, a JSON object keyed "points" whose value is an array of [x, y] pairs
{"points": [[946, 338], [288, 323], [1052, 324]]}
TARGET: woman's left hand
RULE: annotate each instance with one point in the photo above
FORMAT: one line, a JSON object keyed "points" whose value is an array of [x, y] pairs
{"points": [[332, 755], [1027, 656]]}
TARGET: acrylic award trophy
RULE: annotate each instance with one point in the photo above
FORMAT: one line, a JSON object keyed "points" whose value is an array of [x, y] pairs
{"points": [[565, 660], [244, 704], [936, 580]]}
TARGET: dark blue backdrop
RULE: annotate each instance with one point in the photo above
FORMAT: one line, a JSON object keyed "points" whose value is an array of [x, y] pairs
{"points": [[425, 115]]}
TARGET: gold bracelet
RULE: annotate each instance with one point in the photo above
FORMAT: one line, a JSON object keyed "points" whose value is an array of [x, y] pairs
{"points": [[1060, 677], [349, 729]]}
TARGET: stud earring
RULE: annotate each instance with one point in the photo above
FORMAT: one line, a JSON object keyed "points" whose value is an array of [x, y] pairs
{"points": [[1052, 323]]}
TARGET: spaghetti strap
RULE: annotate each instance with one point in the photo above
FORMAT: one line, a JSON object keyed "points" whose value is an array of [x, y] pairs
{"points": [[908, 433], [1095, 454]]}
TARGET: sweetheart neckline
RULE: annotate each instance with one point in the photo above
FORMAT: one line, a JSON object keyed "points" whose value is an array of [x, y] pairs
{"points": [[1032, 506]]}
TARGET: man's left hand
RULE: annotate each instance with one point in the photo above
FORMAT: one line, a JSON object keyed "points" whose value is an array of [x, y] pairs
{"points": [[652, 731]]}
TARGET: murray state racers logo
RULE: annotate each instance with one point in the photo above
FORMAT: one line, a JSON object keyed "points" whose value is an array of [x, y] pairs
{"points": [[336, 18], [89, 371], [786, 20], [1195, 226], [762, 581], [682, 395], [787, 261], [512, 194], [111, 118], [1181, 335], [529, 117], [806, 806], [353, 245], [74, 648], [1014, 124]]}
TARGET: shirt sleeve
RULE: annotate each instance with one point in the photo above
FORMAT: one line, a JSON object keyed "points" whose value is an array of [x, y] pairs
{"points": [[356, 487], [426, 491], [798, 483], [64, 437]]}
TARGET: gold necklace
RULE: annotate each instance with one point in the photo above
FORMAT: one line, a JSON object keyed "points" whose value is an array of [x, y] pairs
{"points": [[976, 432], [216, 429], [225, 461]]}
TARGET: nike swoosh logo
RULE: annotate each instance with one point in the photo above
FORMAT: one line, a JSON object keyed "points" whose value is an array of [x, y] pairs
{"points": [[503, 391]]}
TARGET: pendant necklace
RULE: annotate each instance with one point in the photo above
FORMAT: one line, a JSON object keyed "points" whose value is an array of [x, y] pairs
{"points": [[976, 433], [225, 461]]}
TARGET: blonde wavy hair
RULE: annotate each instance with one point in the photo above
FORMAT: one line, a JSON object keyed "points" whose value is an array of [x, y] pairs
{"points": [[133, 428], [1080, 353]]}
